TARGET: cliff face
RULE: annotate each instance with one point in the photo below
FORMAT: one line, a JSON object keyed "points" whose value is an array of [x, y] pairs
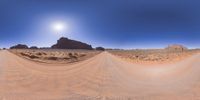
{"points": [[65, 43]]}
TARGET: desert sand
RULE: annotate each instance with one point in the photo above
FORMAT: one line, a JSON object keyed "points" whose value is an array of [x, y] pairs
{"points": [[153, 56], [101, 77], [55, 56]]}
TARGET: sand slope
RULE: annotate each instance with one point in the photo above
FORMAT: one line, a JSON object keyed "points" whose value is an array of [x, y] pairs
{"points": [[103, 77]]}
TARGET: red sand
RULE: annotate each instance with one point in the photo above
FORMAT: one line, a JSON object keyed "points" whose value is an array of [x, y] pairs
{"points": [[103, 77]]}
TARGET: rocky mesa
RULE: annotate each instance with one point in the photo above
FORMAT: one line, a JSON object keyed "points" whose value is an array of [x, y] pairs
{"points": [[65, 43], [19, 46]]}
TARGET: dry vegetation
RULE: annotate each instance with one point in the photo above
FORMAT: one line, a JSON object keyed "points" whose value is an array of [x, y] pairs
{"points": [[55, 55], [153, 56]]}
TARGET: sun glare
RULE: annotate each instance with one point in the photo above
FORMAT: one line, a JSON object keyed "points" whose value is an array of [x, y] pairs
{"points": [[58, 27]]}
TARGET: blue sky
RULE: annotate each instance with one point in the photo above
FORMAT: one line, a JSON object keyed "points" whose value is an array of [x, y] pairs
{"points": [[107, 23]]}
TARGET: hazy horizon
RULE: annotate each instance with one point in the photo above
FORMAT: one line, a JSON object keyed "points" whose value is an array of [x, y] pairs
{"points": [[111, 24]]}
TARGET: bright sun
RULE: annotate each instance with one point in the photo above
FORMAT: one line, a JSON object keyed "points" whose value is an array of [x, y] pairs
{"points": [[58, 27]]}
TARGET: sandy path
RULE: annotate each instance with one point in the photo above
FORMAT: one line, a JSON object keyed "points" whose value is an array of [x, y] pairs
{"points": [[103, 77]]}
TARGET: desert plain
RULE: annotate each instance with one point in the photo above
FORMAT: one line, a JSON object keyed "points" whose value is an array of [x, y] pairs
{"points": [[57, 74]]}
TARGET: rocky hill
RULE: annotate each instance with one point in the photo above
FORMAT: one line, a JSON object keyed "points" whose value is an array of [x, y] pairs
{"points": [[100, 48], [176, 47], [65, 43], [19, 46], [33, 47]]}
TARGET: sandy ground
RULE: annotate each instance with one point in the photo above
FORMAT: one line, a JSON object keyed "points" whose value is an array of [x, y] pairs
{"points": [[102, 77], [153, 56], [55, 56]]}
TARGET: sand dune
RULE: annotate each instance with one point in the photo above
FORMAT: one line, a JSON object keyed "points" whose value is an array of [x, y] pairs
{"points": [[103, 77]]}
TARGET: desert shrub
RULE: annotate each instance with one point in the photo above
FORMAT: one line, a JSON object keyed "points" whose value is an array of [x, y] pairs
{"points": [[82, 55], [76, 54], [33, 56], [44, 53], [70, 54], [74, 57], [52, 58], [66, 58], [24, 54], [39, 53], [30, 56]]}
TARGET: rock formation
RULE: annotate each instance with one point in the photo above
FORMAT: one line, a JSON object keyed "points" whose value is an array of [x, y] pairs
{"points": [[65, 43], [19, 46], [176, 47], [33, 47], [100, 48]]}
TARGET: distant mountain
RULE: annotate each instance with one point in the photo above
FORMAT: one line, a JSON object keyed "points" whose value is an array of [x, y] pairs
{"points": [[65, 43], [19, 46], [100, 48], [33, 47], [176, 47]]}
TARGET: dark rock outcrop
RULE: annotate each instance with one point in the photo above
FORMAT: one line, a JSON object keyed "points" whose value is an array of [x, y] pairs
{"points": [[100, 48], [33, 47], [19, 46], [45, 48], [65, 43], [176, 47]]}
